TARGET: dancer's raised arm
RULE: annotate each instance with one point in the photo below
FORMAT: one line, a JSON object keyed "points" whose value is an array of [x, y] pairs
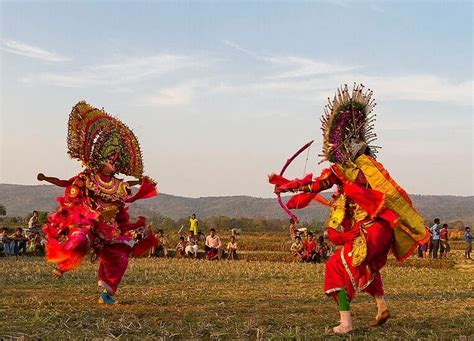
{"points": [[132, 183], [52, 180]]}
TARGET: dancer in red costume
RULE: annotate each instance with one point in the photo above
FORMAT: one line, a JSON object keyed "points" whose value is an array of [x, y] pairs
{"points": [[92, 214], [370, 214]]}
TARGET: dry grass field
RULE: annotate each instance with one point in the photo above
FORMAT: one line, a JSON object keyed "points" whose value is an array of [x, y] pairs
{"points": [[251, 298]]}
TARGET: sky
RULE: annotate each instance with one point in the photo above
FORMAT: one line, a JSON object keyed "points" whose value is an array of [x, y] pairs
{"points": [[220, 94]]}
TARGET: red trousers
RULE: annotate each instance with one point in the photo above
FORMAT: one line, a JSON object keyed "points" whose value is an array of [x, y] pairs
{"points": [[113, 261], [366, 277]]}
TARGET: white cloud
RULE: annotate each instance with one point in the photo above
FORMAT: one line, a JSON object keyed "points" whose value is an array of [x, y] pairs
{"points": [[313, 80], [120, 73], [293, 66], [22, 49], [181, 94]]}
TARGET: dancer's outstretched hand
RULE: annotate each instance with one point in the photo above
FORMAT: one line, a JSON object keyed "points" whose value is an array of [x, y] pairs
{"points": [[40, 177]]}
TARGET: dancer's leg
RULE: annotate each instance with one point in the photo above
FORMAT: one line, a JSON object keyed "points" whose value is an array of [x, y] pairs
{"points": [[345, 324], [113, 261]]}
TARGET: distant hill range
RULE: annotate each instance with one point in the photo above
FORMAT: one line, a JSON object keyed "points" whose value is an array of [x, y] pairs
{"points": [[20, 200]]}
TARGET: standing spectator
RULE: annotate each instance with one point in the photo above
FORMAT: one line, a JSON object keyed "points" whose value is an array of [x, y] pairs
{"points": [[194, 224], [296, 248], [191, 245], [20, 241], [7, 242], [232, 248], [309, 249], [422, 248], [181, 247], [292, 230], [33, 225], [213, 245], [444, 245], [436, 237], [468, 239]]}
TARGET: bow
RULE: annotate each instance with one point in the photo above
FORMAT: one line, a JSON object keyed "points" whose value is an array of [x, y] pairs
{"points": [[288, 162]]}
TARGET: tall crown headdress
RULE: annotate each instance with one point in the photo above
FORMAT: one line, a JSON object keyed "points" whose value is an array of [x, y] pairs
{"points": [[347, 125], [95, 137]]}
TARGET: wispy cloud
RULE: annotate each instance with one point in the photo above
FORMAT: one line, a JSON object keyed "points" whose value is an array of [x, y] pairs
{"points": [[316, 89], [181, 94], [30, 51], [312, 80], [120, 73], [293, 66]]}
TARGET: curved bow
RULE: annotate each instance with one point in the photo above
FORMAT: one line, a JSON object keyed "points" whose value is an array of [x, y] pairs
{"points": [[288, 162]]}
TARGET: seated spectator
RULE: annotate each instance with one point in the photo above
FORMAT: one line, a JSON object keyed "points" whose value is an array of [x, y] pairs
{"points": [[296, 248], [309, 249], [7, 242], [444, 245], [191, 245], [323, 249], [35, 244], [232, 248], [161, 248], [19, 240], [181, 247], [213, 245]]}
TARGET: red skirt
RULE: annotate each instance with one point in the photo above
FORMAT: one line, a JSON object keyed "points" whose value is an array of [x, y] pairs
{"points": [[366, 277]]}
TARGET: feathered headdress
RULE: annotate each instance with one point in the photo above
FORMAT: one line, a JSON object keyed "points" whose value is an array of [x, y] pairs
{"points": [[95, 137], [347, 125]]}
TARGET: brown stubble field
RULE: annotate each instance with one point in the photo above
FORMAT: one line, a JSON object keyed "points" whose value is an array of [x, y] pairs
{"points": [[252, 298]]}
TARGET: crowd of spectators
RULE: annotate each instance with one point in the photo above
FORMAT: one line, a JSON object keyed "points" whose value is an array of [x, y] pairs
{"points": [[437, 246], [305, 247], [188, 244], [22, 241]]}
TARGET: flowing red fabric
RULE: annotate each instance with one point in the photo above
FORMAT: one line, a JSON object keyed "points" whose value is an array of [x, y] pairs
{"points": [[145, 245], [296, 183], [369, 200], [300, 200], [147, 190]]}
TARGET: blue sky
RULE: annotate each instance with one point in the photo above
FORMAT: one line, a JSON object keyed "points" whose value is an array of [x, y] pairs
{"points": [[220, 94]]}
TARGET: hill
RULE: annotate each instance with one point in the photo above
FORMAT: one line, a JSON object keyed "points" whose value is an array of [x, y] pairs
{"points": [[19, 200]]}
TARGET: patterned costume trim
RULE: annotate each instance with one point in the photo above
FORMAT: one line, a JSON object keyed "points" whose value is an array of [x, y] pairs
{"points": [[349, 273]]}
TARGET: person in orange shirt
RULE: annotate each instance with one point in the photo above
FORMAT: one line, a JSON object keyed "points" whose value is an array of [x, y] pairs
{"points": [[309, 249]]}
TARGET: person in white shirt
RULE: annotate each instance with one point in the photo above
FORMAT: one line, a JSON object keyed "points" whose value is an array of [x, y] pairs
{"points": [[232, 248], [213, 245], [435, 237], [33, 225], [191, 245]]}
